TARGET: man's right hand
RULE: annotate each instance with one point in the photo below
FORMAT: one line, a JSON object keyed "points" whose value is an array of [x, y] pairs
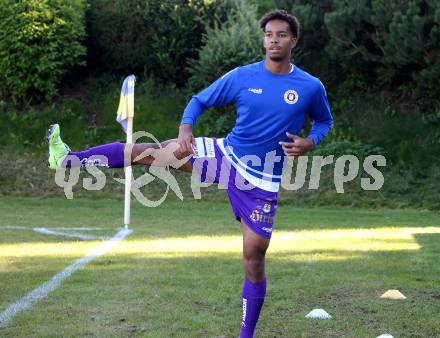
{"points": [[186, 139]]}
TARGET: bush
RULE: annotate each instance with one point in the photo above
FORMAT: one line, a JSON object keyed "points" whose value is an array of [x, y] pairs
{"points": [[390, 43], [155, 37], [39, 41], [348, 147], [371, 45], [237, 42], [314, 36]]}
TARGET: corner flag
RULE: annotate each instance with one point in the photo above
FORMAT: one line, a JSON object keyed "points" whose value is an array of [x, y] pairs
{"points": [[125, 116], [126, 102]]}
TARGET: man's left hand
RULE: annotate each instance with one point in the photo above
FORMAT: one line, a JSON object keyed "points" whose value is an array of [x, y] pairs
{"points": [[298, 147]]}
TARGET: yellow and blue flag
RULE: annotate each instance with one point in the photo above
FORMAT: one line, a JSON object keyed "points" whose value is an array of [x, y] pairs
{"points": [[126, 102]]}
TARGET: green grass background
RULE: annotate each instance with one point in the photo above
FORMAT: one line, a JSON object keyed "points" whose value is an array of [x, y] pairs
{"points": [[179, 274]]}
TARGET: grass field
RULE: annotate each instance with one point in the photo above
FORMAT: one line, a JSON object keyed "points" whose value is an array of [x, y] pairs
{"points": [[179, 273]]}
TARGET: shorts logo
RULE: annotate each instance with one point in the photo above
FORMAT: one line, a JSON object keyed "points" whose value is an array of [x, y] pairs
{"points": [[266, 207], [291, 96], [258, 216]]}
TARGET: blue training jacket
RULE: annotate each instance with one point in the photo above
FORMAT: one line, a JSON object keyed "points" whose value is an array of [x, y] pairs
{"points": [[267, 106]]}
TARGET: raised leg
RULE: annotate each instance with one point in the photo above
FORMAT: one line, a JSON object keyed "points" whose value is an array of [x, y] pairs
{"points": [[167, 153], [118, 155]]}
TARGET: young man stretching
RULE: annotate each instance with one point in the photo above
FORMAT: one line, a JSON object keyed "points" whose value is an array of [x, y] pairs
{"points": [[273, 98]]}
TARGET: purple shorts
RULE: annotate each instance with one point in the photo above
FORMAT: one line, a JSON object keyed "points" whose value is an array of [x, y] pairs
{"points": [[254, 206]]}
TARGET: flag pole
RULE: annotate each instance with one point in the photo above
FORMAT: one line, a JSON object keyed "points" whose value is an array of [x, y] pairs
{"points": [[124, 116], [128, 174]]}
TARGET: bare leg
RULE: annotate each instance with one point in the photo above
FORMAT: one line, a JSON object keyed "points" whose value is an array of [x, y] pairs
{"points": [[167, 153], [254, 251]]}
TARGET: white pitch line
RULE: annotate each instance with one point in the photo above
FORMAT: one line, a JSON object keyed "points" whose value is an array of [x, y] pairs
{"points": [[46, 231], [81, 229], [42, 291], [14, 227], [19, 227]]}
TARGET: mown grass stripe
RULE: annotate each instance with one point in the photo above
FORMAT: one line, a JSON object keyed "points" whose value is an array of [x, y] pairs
{"points": [[42, 291]]}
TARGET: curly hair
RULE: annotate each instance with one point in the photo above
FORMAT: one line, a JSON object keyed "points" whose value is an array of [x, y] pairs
{"points": [[281, 14]]}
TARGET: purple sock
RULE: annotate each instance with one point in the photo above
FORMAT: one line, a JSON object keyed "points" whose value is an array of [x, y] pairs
{"points": [[253, 299], [107, 155]]}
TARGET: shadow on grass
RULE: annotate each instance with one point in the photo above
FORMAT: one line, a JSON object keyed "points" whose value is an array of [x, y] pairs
{"points": [[199, 295], [429, 242]]}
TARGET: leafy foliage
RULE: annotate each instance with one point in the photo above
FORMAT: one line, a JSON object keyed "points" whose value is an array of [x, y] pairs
{"points": [[314, 35], [39, 41], [392, 42], [372, 44], [237, 42], [347, 147], [156, 37]]}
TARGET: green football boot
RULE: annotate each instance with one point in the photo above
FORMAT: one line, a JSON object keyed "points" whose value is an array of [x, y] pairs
{"points": [[58, 150]]}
